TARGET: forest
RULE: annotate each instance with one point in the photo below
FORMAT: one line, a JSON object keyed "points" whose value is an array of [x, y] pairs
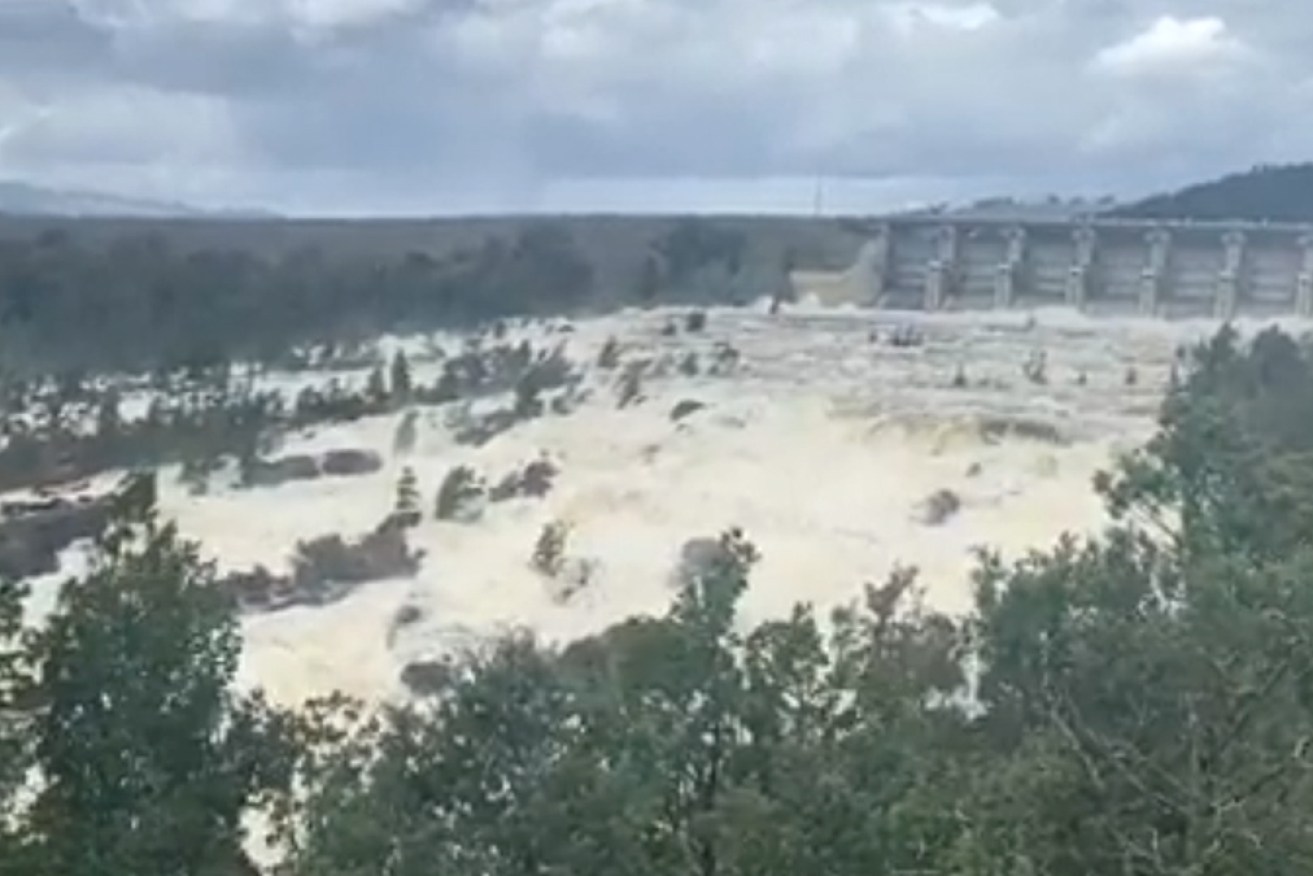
{"points": [[1136, 702], [1264, 193], [79, 298]]}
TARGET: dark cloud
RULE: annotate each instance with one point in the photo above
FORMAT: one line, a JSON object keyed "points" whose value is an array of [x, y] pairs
{"points": [[45, 40], [371, 104]]}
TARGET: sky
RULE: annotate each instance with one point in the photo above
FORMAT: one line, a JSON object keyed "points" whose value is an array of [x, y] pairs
{"points": [[367, 107]]}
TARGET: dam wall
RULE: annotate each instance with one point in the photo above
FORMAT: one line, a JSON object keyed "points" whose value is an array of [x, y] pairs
{"points": [[1170, 269]]}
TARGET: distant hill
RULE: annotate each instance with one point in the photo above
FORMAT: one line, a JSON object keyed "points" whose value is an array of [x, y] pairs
{"points": [[1275, 193], [25, 199]]}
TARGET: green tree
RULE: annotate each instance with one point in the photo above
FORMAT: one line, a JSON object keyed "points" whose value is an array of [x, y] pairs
{"points": [[402, 386], [16, 848], [1228, 468], [459, 494], [673, 744], [649, 280], [1147, 694], [549, 550], [407, 509], [403, 440], [486, 775], [149, 758], [376, 388], [1154, 714]]}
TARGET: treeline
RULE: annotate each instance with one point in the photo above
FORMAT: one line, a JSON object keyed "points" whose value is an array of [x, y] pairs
{"points": [[1140, 702], [135, 302], [1273, 193]]}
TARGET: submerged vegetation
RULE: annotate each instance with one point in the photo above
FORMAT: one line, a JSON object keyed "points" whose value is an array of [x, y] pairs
{"points": [[1133, 703], [66, 429]]}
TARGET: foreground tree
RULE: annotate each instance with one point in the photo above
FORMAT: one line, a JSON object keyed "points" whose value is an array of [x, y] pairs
{"points": [[1145, 715], [1148, 695], [1229, 469], [16, 852], [674, 744], [148, 757]]}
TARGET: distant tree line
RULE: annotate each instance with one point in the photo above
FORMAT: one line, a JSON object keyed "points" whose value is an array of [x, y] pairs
{"points": [[1274, 193], [138, 303]]}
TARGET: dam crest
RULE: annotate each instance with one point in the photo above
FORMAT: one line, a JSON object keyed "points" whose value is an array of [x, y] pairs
{"points": [[1154, 268]]}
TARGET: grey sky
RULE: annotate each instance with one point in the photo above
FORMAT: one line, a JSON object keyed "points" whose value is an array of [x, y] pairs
{"points": [[361, 106]]}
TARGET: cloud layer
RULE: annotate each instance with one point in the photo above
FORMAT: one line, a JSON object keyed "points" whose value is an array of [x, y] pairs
{"points": [[456, 105]]}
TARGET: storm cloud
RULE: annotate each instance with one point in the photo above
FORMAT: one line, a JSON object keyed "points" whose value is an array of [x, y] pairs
{"points": [[363, 106]]}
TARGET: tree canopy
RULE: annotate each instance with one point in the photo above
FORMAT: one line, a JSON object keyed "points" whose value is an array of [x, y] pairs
{"points": [[1266, 192]]}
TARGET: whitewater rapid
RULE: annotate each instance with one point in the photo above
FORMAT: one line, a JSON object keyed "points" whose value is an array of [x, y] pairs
{"points": [[821, 446]]}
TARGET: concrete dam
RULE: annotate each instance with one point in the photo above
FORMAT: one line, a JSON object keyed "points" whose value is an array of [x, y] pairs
{"points": [[1170, 269]]}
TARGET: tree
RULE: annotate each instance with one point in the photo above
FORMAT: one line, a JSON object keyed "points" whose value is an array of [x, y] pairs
{"points": [[694, 248], [485, 775], [1147, 694], [15, 731], [376, 389], [1202, 772], [549, 550], [401, 380], [524, 761], [403, 441], [1227, 469], [109, 422], [407, 510], [673, 744], [629, 386], [649, 280], [148, 756], [609, 356], [459, 494]]}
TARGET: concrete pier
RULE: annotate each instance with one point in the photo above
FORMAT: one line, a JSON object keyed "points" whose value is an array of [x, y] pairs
{"points": [[1232, 274], [1169, 269], [1014, 256]]}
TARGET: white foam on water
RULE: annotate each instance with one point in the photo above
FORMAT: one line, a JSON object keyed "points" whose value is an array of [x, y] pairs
{"points": [[820, 447]]}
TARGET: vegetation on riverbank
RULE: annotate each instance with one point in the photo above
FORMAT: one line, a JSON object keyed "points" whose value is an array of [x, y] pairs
{"points": [[1139, 702]]}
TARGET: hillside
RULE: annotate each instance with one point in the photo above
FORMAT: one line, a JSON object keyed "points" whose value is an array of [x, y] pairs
{"points": [[1273, 193], [25, 199]]}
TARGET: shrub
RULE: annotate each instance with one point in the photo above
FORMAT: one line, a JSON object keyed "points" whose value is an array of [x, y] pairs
{"points": [[549, 551], [459, 494]]}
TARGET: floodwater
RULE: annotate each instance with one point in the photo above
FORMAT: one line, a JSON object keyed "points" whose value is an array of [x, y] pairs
{"points": [[822, 445]]}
